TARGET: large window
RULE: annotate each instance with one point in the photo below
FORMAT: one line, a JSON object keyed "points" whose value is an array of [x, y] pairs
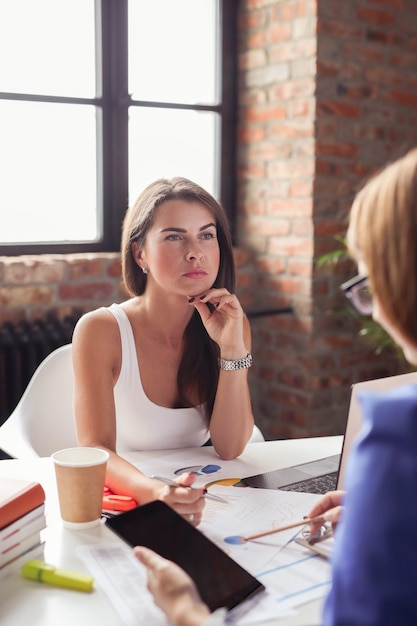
{"points": [[100, 97]]}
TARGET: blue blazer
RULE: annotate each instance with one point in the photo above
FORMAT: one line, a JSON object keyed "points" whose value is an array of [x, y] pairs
{"points": [[374, 579]]}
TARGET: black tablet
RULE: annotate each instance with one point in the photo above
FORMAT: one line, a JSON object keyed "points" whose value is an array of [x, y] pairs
{"points": [[220, 581]]}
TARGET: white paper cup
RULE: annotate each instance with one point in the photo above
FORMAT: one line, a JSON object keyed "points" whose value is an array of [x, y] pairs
{"points": [[80, 476]]}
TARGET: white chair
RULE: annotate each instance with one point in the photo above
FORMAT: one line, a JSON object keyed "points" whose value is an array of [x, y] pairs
{"points": [[257, 436], [43, 420]]}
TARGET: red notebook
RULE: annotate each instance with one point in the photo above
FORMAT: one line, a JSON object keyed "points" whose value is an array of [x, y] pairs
{"points": [[18, 497]]}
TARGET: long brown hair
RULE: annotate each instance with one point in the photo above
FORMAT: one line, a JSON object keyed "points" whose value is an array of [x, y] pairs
{"points": [[383, 232], [198, 368]]}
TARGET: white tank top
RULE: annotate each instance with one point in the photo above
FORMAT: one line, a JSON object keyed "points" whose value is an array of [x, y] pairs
{"points": [[142, 424]]}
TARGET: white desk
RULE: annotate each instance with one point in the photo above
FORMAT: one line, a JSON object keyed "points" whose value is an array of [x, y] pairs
{"points": [[23, 601]]}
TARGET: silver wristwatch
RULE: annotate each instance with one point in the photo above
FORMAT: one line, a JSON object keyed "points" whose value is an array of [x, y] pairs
{"points": [[236, 364]]}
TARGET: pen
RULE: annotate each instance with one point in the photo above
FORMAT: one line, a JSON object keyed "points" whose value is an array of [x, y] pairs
{"points": [[45, 573], [306, 520], [171, 483]]}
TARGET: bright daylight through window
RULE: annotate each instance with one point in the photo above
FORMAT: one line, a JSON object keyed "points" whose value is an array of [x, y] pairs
{"points": [[97, 99]]}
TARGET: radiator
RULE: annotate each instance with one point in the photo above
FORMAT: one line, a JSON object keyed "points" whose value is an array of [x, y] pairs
{"points": [[22, 347]]}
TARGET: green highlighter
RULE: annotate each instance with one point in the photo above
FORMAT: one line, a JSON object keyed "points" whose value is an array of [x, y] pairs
{"points": [[51, 575]]}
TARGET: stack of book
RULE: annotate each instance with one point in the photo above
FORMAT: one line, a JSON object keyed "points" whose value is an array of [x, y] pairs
{"points": [[22, 518]]}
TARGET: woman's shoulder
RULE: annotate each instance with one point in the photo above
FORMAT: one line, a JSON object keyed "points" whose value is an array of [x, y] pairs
{"points": [[95, 317], [95, 325]]}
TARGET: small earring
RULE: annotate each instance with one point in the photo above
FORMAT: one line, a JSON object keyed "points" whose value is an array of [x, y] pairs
{"points": [[144, 270]]}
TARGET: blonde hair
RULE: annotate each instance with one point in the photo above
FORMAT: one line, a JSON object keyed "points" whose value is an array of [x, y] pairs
{"points": [[383, 233]]}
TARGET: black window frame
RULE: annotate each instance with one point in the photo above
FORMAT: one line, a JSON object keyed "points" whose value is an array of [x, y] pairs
{"points": [[113, 99]]}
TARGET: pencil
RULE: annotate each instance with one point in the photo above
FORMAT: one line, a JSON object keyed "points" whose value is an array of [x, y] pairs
{"points": [[171, 483], [303, 522]]}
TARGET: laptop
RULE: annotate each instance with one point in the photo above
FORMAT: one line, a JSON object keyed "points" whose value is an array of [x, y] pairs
{"points": [[328, 473]]}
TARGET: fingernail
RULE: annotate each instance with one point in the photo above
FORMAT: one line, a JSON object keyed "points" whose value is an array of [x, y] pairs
{"points": [[205, 491], [216, 304], [202, 297], [191, 300]]}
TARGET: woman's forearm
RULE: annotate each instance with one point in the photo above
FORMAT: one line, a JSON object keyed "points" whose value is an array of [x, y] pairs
{"points": [[125, 479], [232, 422]]}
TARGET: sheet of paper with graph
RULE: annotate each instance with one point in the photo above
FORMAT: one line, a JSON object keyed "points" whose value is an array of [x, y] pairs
{"points": [[291, 573]]}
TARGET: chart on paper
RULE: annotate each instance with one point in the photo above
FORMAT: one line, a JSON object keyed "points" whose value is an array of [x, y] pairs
{"points": [[291, 573]]}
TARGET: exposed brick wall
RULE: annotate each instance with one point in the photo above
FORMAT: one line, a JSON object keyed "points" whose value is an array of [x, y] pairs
{"points": [[31, 286], [367, 51], [327, 94]]}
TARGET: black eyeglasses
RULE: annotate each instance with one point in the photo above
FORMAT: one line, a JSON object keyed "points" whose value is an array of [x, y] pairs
{"points": [[358, 292]]}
